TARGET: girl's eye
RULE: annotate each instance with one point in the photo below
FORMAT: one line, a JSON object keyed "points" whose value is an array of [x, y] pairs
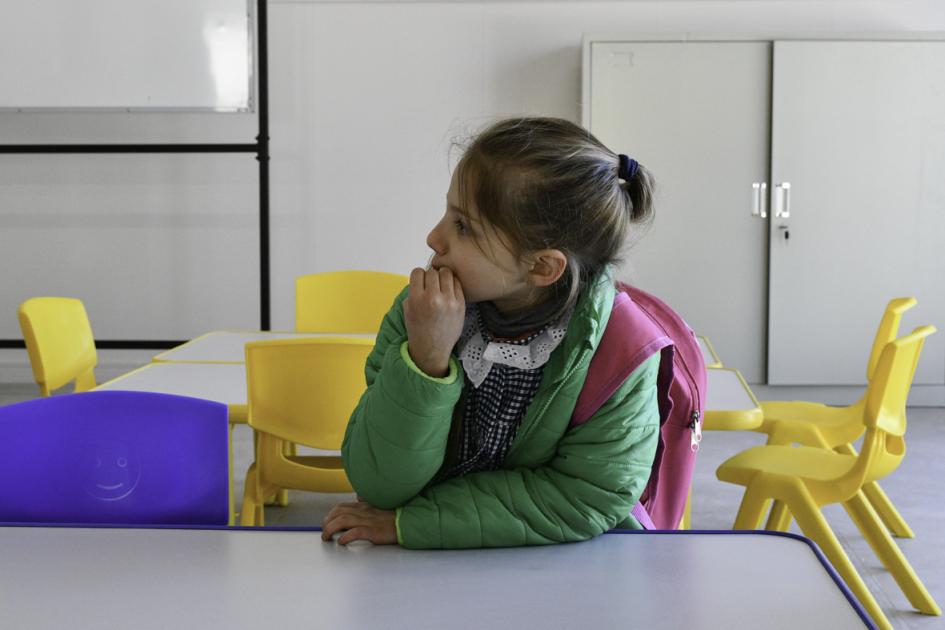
{"points": [[461, 227]]}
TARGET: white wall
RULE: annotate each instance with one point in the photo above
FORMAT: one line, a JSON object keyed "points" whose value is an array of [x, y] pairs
{"points": [[365, 100]]}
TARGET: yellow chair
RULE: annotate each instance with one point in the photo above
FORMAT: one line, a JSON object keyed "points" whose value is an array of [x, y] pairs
{"points": [[345, 302], [802, 479], [59, 343], [815, 424], [342, 302], [300, 391]]}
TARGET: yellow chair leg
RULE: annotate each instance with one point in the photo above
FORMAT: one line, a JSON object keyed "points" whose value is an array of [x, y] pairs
{"points": [[881, 503], [249, 511], [85, 381], [887, 512], [686, 521], [815, 526], [229, 478], [889, 553], [753, 505], [281, 497], [779, 520], [777, 439]]}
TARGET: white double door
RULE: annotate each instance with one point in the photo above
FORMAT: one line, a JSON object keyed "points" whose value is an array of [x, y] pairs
{"points": [[848, 139]]}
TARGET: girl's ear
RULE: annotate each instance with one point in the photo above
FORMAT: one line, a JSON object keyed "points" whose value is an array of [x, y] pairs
{"points": [[547, 265]]}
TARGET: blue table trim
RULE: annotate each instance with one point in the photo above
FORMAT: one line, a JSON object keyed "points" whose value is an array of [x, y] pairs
{"points": [[760, 532]]}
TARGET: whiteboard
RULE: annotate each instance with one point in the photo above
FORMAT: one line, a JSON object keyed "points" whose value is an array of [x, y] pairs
{"points": [[155, 55]]}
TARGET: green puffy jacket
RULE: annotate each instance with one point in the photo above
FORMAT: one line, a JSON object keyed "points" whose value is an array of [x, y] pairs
{"points": [[557, 485]]}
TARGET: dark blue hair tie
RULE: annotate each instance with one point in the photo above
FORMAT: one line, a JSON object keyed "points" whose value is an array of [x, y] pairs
{"points": [[627, 167]]}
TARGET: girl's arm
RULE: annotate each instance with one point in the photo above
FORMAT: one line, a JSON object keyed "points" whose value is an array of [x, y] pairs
{"points": [[396, 437], [596, 476]]}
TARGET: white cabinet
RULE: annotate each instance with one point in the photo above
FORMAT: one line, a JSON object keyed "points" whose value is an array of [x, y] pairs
{"points": [[855, 130]]}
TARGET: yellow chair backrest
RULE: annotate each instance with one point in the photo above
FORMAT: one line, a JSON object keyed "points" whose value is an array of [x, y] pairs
{"points": [[885, 412], [59, 342], [888, 330], [304, 390], [345, 302], [886, 406]]}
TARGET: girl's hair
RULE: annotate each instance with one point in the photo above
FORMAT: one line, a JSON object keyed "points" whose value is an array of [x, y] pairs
{"points": [[547, 183]]}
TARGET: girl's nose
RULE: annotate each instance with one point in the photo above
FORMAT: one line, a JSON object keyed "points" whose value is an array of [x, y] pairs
{"points": [[435, 240]]}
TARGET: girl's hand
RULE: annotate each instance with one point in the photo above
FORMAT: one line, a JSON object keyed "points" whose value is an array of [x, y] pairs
{"points": [[433, 312], [362, 522]]}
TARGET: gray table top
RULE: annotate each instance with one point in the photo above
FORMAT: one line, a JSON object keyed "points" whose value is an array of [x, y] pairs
{"points": [[167, 578]]}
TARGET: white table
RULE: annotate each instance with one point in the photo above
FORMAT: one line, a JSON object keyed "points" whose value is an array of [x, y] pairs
{"points": [[730, 404], [711, 359], [220, 382], [229, 346], [235, 579]]}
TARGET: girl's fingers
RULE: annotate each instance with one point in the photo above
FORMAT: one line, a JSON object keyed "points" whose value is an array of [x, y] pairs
{"points": [[329, 525], [417, 276], [327, 531], [361, 523], [358, 533], [432, 280], [446, 280], [352, 526], [334, 512], [336, 525]]}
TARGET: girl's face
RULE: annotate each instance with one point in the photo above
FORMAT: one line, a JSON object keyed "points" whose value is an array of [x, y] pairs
{"points": [[486, 268]]}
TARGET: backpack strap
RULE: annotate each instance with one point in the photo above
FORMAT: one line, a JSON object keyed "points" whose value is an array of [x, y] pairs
{"points": [[630, 338]]}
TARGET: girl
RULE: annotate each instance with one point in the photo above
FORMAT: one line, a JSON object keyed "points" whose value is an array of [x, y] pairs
{"points": [[462, 437]]}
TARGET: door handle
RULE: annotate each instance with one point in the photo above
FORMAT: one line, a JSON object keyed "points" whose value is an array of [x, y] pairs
{"points": [[759, 199], [782, 201]]}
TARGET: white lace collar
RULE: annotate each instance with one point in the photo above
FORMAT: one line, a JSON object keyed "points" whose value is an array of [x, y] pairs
{"points": [[478, 356]]}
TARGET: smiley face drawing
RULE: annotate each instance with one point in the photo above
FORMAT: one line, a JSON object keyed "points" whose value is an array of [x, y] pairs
{"points": [[110, 470]]}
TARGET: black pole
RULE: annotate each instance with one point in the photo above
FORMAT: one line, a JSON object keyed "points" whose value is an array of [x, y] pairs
{"points": [[112, 344], [263, 156], [129, 148]]}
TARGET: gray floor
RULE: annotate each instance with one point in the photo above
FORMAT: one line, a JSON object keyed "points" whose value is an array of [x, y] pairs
{"points": [[916, 489]]}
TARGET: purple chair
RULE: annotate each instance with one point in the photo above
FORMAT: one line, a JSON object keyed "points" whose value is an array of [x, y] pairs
{"points": [[129, 458]]}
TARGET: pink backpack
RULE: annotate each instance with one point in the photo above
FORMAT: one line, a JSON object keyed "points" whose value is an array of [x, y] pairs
{"points": [[639, 325]]}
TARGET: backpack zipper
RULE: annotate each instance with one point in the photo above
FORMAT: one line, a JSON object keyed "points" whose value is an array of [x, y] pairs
{"points": [[695, 423], [695, 426]]}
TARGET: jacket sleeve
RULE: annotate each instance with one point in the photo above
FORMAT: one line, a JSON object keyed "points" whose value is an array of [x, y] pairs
{"points": [[396, 437], [597, 474]]}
